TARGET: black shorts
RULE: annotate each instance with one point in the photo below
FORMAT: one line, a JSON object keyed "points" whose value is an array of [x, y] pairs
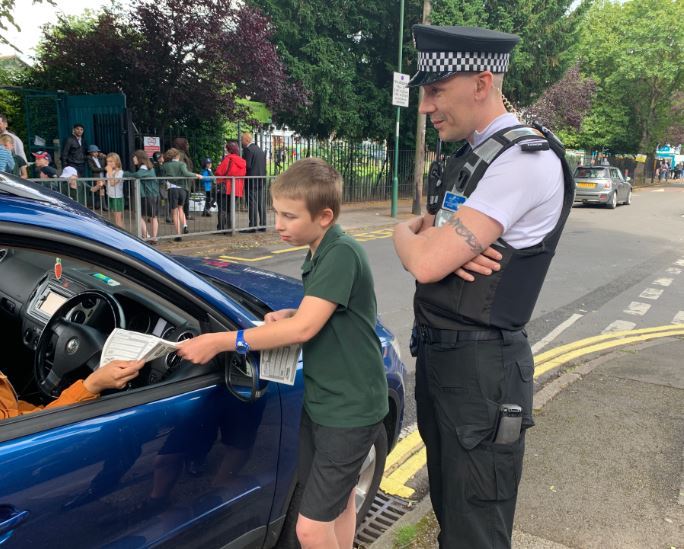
{"points": [[177, 197], [330, 460], [149, 206]]}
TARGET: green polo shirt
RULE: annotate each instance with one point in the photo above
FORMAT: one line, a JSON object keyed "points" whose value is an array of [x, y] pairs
{"points": [[344, 376]]}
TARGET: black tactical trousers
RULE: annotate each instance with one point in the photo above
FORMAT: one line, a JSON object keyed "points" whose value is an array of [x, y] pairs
{"points": [[461, 379]]}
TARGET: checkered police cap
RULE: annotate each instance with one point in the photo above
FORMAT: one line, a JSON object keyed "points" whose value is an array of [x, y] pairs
{"points": [[444, 51]]}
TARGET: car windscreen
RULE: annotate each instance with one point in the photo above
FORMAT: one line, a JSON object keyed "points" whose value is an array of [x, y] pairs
{"points": [[591, 173]]}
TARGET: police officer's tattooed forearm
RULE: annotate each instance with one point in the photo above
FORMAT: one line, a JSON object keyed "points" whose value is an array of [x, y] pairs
{"points": [[466, 234]]}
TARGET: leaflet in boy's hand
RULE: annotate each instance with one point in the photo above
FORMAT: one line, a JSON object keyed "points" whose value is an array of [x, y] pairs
{"points": [[127, 345], [280, 364]]}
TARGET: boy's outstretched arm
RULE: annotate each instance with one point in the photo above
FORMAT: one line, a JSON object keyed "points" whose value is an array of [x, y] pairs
{"points": [[305, 323]]}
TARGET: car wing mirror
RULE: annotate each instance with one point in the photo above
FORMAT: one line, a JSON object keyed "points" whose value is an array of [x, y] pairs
{"points": [[241, 376]]}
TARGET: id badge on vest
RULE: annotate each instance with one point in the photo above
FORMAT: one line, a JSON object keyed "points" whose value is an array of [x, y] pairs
{"points": [[452, 201]]}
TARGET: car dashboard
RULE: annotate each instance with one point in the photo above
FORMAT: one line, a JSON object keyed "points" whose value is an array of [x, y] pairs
{"points": [[33, 286]]}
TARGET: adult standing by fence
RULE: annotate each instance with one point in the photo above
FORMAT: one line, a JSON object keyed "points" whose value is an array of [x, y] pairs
{"points": [[74, 151], [231, 165], [509, 186], [256, 182]]}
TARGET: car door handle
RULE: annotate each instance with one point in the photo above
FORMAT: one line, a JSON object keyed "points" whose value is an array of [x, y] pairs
{"points": [[10, 518]]}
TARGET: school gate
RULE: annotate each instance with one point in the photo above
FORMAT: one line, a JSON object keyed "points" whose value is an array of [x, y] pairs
{"points": [[50, 117]]}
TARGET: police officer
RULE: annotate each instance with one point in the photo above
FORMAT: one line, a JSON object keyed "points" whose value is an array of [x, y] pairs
{"points": [[479, 257]]}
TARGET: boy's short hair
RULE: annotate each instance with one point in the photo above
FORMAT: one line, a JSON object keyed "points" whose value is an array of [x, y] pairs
{"points": [[315, 182], [6, 140]]}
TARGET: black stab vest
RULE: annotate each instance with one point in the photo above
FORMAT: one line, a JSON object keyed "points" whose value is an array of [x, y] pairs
{"points": [[504, 299]]}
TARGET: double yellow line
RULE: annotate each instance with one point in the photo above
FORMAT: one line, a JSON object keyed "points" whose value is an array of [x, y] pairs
{"points": [[408, 456]]}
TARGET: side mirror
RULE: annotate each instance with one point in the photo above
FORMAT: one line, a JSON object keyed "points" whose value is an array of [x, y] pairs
{"points": [[241, 377]]}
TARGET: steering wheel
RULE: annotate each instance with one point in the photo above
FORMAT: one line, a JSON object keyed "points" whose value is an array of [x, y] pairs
{"points": [[67, 344]]}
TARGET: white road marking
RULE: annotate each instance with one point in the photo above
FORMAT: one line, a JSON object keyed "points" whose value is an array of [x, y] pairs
{"points": [[619, 326], [651, 293], [679, 318], [680, 262], [673, 271], [658, 191], [553, 334], [663, 281], [637, 309]]}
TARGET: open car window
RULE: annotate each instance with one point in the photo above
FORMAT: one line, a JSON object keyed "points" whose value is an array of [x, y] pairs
{"points": [[51, 305]]}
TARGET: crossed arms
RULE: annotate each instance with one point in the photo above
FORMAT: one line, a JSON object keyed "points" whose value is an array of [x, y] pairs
{"points": [[459, 246]]}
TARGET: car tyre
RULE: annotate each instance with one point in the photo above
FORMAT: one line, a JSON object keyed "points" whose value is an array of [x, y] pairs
{"points": [[612, 203], [369, 483], [628, 200]]}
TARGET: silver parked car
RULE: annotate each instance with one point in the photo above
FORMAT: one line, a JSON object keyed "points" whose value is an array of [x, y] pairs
{"points": [[602, 185]]}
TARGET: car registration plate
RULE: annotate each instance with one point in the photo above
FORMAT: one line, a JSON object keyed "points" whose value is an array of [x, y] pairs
{"points": [[586, 185]]}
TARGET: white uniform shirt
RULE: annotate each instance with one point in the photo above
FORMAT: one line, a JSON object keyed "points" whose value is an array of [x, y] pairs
{"points": [[116, 190], [523, 191]]}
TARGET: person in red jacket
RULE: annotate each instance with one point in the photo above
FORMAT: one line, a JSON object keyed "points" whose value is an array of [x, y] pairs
{"points": [[234, 166]]}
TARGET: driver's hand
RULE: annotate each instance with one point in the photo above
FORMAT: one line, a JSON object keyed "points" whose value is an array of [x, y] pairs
{"points": [[113, 375]]}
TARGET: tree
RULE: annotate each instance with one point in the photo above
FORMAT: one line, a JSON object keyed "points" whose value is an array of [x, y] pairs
{"points": [[180, 62], [635, 52], [344, 53], [7, 18], [547, 31], [566, 103]]}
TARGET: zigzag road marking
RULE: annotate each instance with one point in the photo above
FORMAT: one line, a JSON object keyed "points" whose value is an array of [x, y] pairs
{"points": [[408, 457]]}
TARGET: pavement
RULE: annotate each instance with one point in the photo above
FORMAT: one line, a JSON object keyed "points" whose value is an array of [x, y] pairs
{"points": [[354, 217], [603, 465]]}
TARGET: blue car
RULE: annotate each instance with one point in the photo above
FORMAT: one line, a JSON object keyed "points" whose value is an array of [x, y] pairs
{"points": [[184, 456]]}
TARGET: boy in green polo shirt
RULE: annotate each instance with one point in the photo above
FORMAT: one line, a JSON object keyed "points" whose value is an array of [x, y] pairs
{"points": [[345, 389]]}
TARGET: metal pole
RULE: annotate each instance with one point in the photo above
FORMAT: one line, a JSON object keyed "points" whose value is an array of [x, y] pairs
{"points": [[419, 159], [395, 179]]}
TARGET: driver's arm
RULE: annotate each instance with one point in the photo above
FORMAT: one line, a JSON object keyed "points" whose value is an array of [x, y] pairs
{"points": [[113, 375]]}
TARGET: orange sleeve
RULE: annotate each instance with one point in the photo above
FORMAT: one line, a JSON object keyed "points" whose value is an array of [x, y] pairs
{"points": [[11, 407], [76, 392]]}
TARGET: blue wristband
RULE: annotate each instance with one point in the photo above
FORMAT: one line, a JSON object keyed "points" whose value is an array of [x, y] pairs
{"points": [[241, 346]]}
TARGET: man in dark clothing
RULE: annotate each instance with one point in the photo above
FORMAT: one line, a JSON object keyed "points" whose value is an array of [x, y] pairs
{"points": [[74, 151], [256, 182]]}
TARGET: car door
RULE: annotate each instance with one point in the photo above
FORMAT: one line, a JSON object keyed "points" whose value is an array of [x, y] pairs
{"points": [[182, 463], [618, 183]]}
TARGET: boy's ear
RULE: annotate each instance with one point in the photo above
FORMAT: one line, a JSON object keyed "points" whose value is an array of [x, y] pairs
{"points": [[326, 217]]}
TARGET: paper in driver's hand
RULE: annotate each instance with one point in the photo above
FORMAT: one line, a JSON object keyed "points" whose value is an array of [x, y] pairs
{"points": [[280, 364], [127, 345]]}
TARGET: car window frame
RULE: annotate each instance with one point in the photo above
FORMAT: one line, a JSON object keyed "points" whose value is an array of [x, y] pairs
{"points": [[45, 240]]}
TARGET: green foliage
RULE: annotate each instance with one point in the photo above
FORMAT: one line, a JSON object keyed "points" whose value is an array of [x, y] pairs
{"points": [[405, 535], [546, 29], [10, 102], [344, 53], [7, 18], [635, 51]]}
